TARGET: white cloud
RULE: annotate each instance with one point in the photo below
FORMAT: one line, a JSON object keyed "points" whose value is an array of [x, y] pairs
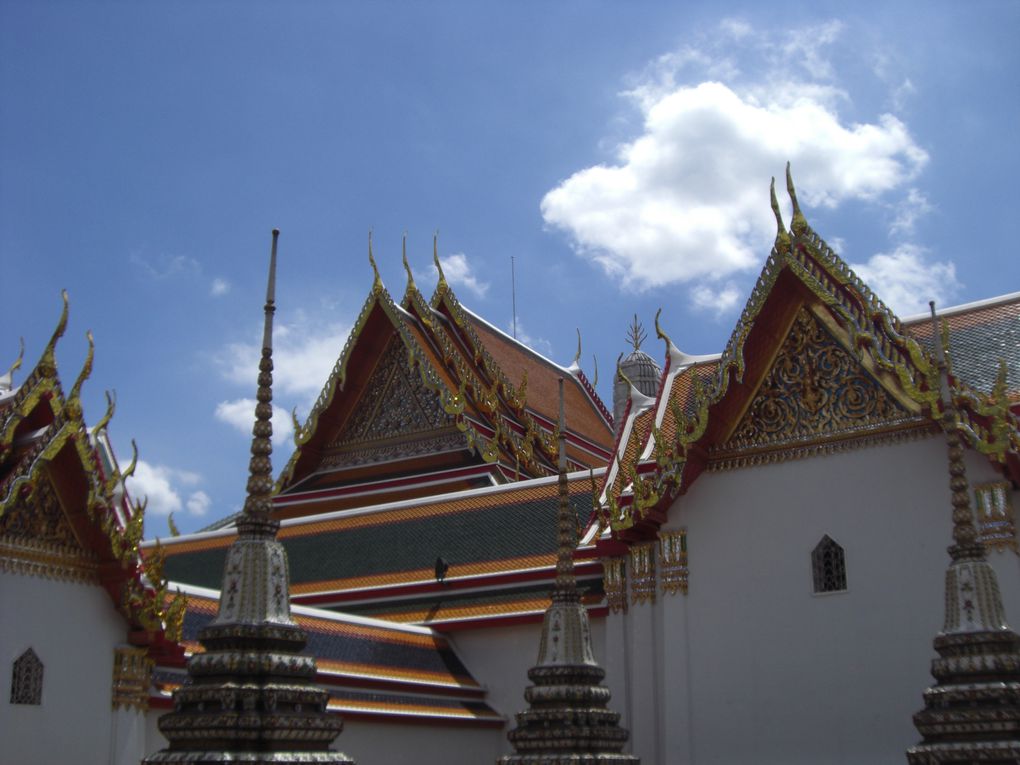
{"points": [[303, 356], [459, 273], [240, 414], [905, 281], [686, 201], [164, 266], [162, 486], [198, 503], [914, 206], [717, 301], [219, 287]]}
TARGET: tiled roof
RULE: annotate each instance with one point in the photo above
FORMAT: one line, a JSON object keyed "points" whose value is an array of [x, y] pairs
{"points": [[543, 390], [499, 530], [445, 608], [368, 666], [979, 335]]}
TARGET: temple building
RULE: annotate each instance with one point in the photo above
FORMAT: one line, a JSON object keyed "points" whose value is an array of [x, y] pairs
{"points": [[760, 565]]}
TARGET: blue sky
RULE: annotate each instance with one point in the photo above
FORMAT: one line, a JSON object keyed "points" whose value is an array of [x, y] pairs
{"points": [[619, 152]]}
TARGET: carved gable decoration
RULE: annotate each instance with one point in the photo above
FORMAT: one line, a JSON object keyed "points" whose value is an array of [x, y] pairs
{"points": [[36, 538], [814, 391], [395, 404]]}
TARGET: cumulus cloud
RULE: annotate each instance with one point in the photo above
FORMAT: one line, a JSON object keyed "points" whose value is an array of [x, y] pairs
{"points": [[240, 414], [686, 200], [716, 301], [198, 503], [908, 211], [303, 356], [905, 280], [160, 267], [163, 487], [459, 273]]}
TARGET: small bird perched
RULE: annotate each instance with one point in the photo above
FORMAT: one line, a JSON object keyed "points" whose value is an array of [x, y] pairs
{"points": [[441, 568]]}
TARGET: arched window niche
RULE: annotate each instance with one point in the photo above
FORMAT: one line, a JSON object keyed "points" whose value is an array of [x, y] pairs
{"points": [[828, 566], [27, 679]]}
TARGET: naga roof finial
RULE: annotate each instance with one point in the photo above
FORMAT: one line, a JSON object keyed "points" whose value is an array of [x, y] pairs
{"points": [[442, 286], [376, 280], [7, 380], [799, 223], [407, 266], [782, 236], [258, 505], [111, 407], [74, 397], [636, 334], [577, 356], [48, 363], [661, 334], [595, 362]]}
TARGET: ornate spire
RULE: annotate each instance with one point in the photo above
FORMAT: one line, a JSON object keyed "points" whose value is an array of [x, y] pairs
{"points": [[47, 365], [251, 693], [636, 334], [567, 720], [972, 713]]}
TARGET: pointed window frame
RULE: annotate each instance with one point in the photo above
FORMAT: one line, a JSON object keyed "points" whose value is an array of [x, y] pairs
{"points": [[828, 567], [27, 679]]}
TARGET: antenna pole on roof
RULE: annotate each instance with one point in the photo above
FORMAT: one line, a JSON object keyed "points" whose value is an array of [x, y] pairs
{"points": [[513, 293]]}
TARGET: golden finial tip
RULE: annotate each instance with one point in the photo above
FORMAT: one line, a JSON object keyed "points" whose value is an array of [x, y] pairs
{"points": [[799, 223]]}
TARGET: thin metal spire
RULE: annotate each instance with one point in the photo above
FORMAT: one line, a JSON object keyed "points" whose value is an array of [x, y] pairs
{"points": [[513, 293], [260, 479]]}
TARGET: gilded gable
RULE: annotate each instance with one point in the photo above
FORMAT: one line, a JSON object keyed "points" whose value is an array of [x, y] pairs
{"points": [[815, 392], [397, 415]]}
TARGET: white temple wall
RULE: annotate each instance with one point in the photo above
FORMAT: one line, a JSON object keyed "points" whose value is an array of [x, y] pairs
{"points": [[73, 628], [499, 659], [776, 673]]}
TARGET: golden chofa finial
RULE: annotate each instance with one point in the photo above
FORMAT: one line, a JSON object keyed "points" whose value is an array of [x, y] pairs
{"points": [[7, 380], [376, 280], [782, 235], [74, 397], [661, 334], [407, 266], [111, 407], [636, 334], [442, 286], [47, 365], [799, 223]]}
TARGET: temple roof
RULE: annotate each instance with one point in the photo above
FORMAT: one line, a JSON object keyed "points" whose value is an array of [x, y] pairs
{"points": [[420, 396], [64, 511], [709, 411], [499, 543], [370, 668]]}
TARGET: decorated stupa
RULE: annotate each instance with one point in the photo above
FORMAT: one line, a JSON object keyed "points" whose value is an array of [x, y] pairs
{"points": [[567, 720], [251, 696], [972, 713]]}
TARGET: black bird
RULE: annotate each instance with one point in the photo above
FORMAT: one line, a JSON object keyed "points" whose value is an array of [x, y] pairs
{"points": [[441, 568]]}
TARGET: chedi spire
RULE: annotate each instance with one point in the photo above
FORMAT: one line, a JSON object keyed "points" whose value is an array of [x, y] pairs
{"points": [[972, 713], [567, 721], [251, 696]]}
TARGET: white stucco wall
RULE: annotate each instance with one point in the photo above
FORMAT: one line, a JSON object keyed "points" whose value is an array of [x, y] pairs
{"points": [[499, 659], [775, 673], [73, 628]]}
